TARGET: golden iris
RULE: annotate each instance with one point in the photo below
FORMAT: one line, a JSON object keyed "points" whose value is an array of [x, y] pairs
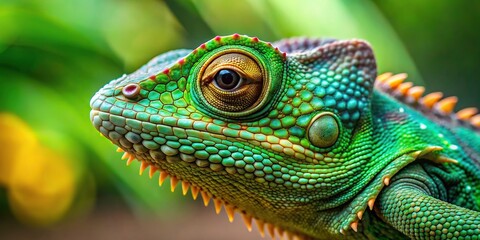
{"points": [[232, 82]]}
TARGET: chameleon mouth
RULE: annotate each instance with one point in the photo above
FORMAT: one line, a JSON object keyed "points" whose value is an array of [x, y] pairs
{"points": [[160, 157], [230, 209]]}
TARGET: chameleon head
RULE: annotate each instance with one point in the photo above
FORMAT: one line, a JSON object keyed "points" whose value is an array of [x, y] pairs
{"points": [[270, 132]]}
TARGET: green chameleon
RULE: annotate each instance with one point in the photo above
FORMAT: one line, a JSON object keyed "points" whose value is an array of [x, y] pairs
{"points": [[299, 136]]}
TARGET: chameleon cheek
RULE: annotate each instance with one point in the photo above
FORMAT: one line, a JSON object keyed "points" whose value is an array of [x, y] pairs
{"points": [[131, 90], [323, 130]]}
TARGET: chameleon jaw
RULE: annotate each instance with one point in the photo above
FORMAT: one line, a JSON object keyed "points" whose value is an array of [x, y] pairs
{"points": [[164, 159], [230, 209]]}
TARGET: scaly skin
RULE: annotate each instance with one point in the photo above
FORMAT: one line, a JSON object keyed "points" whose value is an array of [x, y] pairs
{"points": [[297, 136]]}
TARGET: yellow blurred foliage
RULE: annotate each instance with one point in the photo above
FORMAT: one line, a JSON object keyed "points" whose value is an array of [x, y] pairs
{"points": [[15, 136], [40, 182]]}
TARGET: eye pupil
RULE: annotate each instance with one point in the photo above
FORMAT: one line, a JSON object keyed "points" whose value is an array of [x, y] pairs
{"points": [[227, 79]]}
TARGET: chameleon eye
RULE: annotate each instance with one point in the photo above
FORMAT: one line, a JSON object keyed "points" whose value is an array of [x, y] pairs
{"points": [[323, 130], [232, 82]]}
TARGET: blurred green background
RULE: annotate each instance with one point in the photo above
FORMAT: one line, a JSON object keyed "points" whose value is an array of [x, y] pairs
{"points": [[59, 179]]}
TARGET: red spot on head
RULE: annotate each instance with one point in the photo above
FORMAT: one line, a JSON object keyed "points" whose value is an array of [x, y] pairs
{"points": [[284, 55], [236, 36], [195, 51], [218, 38], [276, 49], [153, 77], [166, 71], [269, 44], [203, 46], [254, 39], [181, 61]]}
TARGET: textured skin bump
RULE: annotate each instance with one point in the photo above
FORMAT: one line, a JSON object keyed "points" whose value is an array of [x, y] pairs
{"points": [[323, 131], [313, 153]]}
